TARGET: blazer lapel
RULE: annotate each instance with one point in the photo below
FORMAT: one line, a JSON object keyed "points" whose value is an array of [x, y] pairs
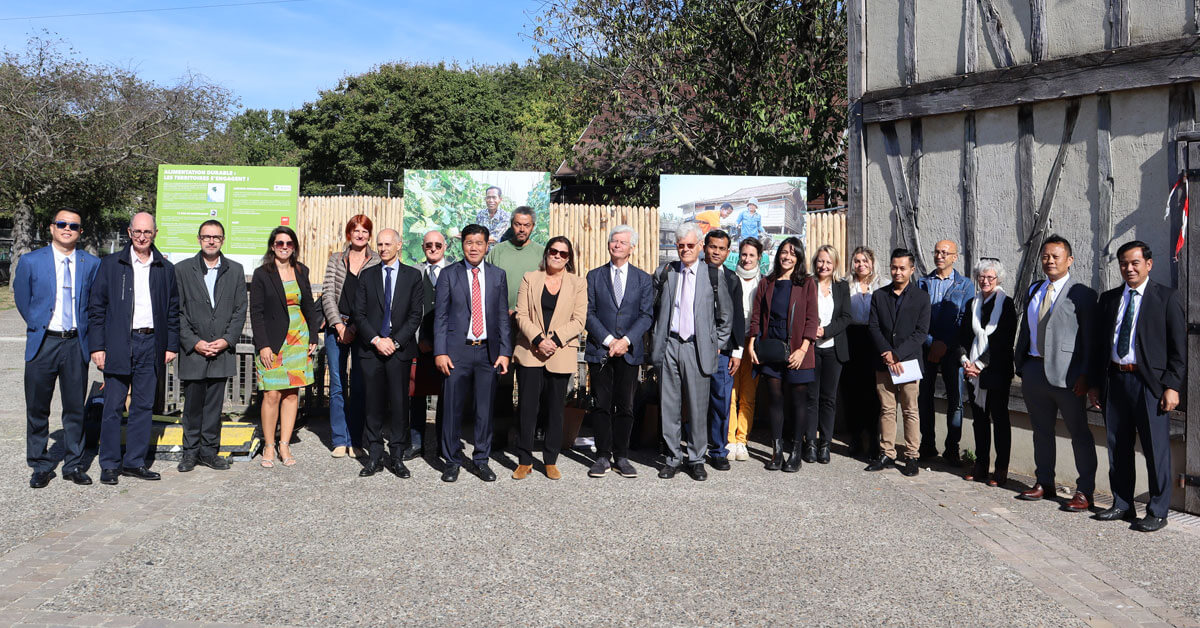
{"points": [[607, 284], [536, 287]]}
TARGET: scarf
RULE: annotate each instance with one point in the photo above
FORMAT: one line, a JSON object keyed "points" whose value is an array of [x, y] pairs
{"points": [[747, 273], [979, 346]]}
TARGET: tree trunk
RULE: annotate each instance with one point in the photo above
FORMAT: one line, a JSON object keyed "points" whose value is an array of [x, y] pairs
{"points": [[22, 232]]}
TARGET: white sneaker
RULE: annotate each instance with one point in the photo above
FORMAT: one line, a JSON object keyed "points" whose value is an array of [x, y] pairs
{"points": [[742, 454]]}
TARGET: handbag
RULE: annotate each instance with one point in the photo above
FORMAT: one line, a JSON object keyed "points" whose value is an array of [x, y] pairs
{"points": [[772, 351]]}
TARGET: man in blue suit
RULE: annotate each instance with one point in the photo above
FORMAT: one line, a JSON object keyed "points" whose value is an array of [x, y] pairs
{"points": [[134, 316], [620, 312], [51, 287], [472, 346], [949, 291]]}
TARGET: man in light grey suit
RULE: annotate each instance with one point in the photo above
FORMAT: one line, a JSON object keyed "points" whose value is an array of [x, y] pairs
{"points": [[1052, 358], [693, 320]]}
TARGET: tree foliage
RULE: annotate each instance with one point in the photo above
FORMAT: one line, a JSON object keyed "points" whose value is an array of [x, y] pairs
{"points": [[753, 87]]}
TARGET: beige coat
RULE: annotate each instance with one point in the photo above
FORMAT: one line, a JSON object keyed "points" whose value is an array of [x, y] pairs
{"points": [[570, 317]]}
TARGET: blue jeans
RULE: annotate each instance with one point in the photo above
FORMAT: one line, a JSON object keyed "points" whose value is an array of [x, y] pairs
{"points": [[952, 377], [346, 407], [718, 409]]}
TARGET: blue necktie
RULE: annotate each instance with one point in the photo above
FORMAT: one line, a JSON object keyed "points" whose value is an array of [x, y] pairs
{"points": [[68, 297], [1126, 331], [387, 302]]}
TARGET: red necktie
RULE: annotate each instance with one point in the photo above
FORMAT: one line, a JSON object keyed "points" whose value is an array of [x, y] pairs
{"points": [[476, 305]]}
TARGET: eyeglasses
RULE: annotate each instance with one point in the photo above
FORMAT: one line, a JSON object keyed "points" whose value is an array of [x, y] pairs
{"points": [[558, 253], [433, 246], [73, 226], [686, 245], [988, 278], [213, 238], [944, 253], [283, 244], [141, 233]]}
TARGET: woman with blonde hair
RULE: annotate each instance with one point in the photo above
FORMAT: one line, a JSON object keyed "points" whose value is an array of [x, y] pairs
{"points": [[833, 308], [858, 374]]}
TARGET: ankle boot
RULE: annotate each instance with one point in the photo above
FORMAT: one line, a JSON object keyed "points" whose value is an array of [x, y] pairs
{"points": [[810, 451], [776, 461], [823, 451], [793, 463]]}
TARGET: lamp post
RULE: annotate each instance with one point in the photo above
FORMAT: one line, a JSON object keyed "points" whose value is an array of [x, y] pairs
{"points": [[340, 186], [389, 187]]}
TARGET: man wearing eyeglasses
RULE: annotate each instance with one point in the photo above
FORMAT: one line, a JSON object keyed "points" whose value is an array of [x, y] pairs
{"points": [[134, 318], [212, 312], [427, 380], [51, 287], [949, 292]]}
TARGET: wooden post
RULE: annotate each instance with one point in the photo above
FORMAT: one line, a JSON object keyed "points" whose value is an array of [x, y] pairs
{"points": [[856, 157], [970, 233], [1105, 269], [1189, 282]]}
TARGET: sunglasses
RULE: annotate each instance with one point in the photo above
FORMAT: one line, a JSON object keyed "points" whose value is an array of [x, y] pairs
{"points": [[433, 246], [73, 226], [558, 253], [283, 244], [685, 245]]}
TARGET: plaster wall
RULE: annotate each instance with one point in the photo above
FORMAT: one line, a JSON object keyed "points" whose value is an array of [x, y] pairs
{"points": [[1159, 20], [883, 45]]}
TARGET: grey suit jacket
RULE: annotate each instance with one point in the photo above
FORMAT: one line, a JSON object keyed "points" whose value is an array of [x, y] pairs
{"points": [[1068, 334], [714, 322], [200, 320]]}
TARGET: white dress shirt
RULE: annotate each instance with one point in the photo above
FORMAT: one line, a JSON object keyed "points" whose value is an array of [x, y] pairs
{"points": [[612, 274], [1130, 357], [143, 306], [56, 320], [825, 313], [482, 298], [691, 305], [1035, 306]]}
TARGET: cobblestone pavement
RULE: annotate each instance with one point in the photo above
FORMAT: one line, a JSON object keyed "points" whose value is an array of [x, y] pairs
{"points": [[315, 544]]}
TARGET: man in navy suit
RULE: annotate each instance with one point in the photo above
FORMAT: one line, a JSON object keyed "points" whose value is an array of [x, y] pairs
{"points": [[1139, 361], [51, 287], [620, 312], [472, 346]]}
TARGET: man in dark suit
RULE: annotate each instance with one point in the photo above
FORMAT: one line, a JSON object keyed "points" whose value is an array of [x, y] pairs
{"points": [[899, 324], [134, 318], [716, 249], [212, 313], [51, 287], [620, 312], [428, 381], [1138, 364], [472, 345], [1052, 358], [387, 312]]}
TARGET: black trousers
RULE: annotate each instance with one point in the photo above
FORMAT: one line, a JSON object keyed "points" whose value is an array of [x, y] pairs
{"points": [[418, 409], [988, 420], [140, 385], [539, 388], [614, 383], [473, 376], [858, 387], [782, 401], [1131, 411], [385, 380], [822, 394], [57, 359], [203, 399]]}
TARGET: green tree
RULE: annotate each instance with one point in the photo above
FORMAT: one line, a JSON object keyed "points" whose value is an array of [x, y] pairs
{"points": [[259, 138], [751, 87]]}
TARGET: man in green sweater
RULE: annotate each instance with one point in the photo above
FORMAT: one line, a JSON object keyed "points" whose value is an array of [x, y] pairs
{"points": [[515, 256]]}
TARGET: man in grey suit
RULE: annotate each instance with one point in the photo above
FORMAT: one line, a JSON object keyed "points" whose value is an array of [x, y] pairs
{"points": [[212, 312], [693, 321], [1052, 358]]}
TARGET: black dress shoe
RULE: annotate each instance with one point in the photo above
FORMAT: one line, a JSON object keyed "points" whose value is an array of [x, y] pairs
{"points": [[952, 458], [1114, 514], [667, 472], [1150, 523], [412, 453], [823, 452], [450, 473], [141, 473], [879, 464], [399, 470], [696, 470], [213, 462], [485, 473], [77, 476], [810, 452], [186, 463], [928, 453], [40, 479], [720, 463], [109, 476], [910, 467], [373, 467]]}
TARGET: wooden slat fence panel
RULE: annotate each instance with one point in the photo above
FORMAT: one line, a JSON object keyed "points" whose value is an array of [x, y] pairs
{"points": [[321, 225], [587, 227], [828, 227]]}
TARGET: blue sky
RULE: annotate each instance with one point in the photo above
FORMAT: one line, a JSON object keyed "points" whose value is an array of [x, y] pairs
{"points": [[276, 55]]}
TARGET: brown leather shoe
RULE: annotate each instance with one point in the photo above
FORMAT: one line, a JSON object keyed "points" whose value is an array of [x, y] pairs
{"points": [[999, 478], [1033, 494], [522, 472], [552, 472], [1079, 503]]}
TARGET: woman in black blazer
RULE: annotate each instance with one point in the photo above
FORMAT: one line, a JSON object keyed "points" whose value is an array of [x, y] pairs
{"points": [[285, 322], [987, 334], [833, 307]]}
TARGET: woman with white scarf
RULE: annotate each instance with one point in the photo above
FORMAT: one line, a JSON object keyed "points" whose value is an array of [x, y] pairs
{"points": [[741, 399], [987, 334]]}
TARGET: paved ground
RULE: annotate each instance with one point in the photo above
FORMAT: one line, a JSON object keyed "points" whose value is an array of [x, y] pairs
{"points": [[314, 544]]}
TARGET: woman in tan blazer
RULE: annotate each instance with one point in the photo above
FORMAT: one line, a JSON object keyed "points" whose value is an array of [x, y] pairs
{"points": [[551, 314]]}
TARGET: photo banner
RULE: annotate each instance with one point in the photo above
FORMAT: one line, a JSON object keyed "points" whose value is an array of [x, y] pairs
{"points": [[770, 209], [250, 201], [448, 200]]}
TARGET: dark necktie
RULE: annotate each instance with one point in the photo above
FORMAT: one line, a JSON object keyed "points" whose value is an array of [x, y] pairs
{"points": [[1126, 326], [387, 302]]}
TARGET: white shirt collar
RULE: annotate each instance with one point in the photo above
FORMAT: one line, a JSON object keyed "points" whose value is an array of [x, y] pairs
{"points": [[694, 266], [59, 256], [1060, 283], [395, 265], [138, 262], [1141, 289]]}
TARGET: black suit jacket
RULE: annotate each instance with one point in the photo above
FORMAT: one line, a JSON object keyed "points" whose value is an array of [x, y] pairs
{"points": [[408, 298], [268, 307], [737, 333], [842, 317], [998, 373], [900, 331], [1160, 344]]}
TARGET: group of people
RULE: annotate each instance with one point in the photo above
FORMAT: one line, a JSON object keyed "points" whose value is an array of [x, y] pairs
{"points": [[799, 337]]}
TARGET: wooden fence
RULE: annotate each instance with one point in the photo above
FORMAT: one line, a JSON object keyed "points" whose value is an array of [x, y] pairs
{"points": [[829, 227], [321, 225], [587, 227]]}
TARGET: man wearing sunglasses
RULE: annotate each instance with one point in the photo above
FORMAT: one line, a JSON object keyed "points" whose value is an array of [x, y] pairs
{"points": [[134, 317], [427, 380], [51, 287]]}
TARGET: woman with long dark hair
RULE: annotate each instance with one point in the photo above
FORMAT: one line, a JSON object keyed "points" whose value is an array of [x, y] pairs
{"points": [[783, 327]]}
